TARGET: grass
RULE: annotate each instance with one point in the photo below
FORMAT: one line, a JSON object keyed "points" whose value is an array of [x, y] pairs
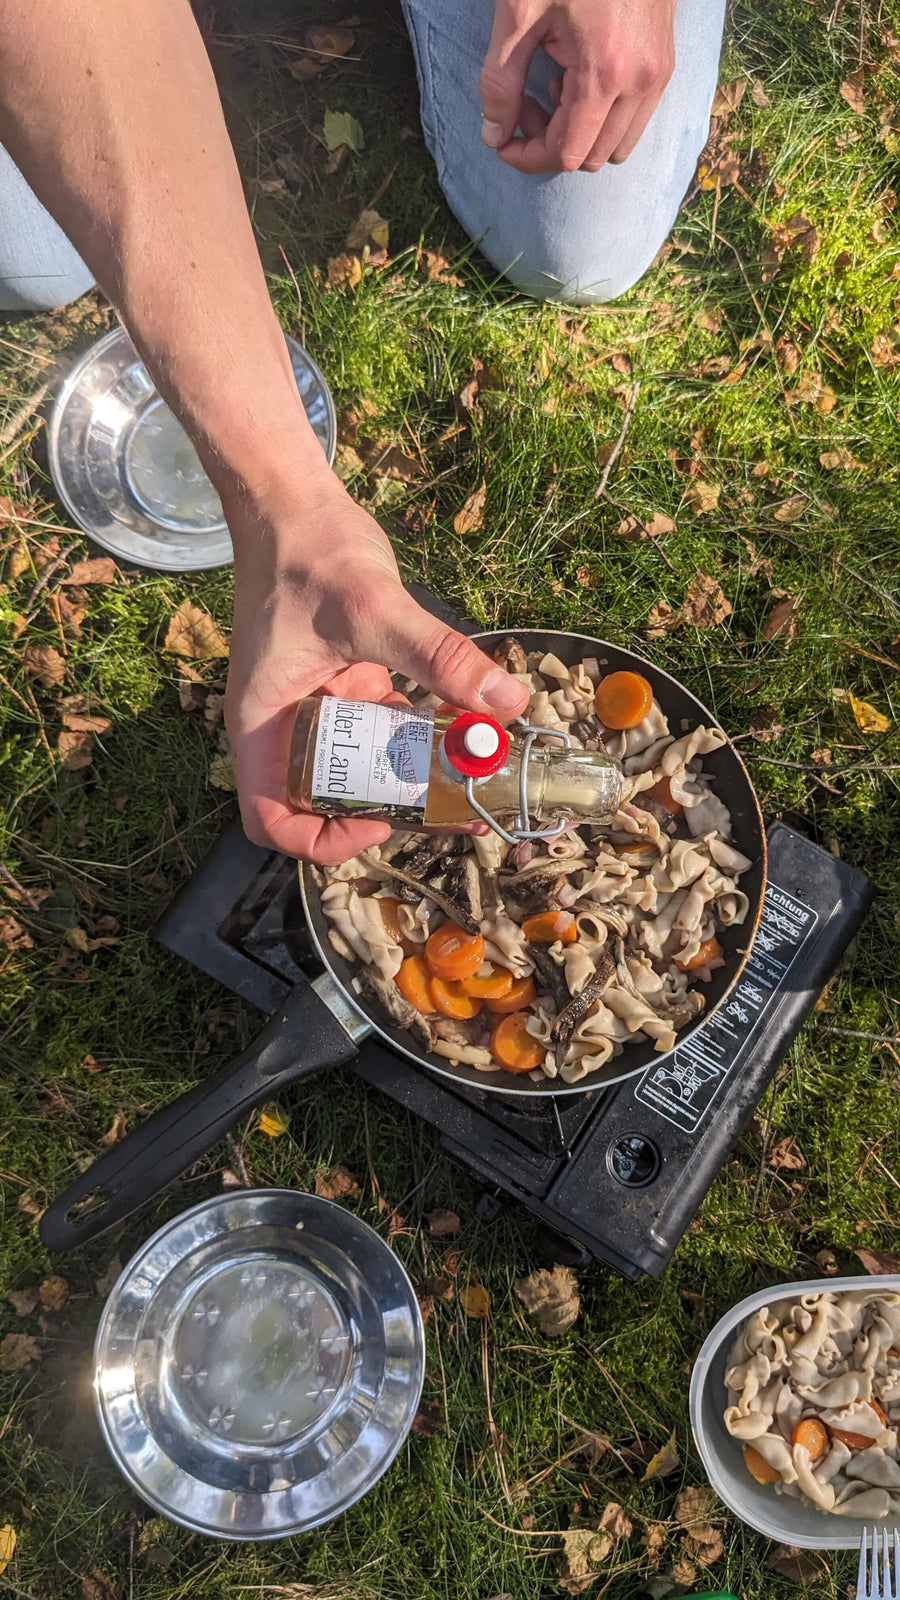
{"points": [[122, 1028]]}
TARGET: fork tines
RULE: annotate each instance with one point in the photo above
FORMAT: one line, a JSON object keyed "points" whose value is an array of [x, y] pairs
{"points": [[879, 1565]]}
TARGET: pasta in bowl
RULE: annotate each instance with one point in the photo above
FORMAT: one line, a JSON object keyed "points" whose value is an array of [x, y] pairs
{"points": [[617, 940], [804, 1378]]}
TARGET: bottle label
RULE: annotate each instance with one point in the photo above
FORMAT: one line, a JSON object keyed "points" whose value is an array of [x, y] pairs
{"points": [[372, 755]]}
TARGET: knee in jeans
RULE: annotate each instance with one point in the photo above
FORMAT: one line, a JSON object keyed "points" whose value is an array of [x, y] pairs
{"points": [[45, 294], [578, 272]]}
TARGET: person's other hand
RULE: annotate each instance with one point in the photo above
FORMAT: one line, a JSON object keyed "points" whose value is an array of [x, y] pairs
{"points": [[616, 57], [319, 606]]}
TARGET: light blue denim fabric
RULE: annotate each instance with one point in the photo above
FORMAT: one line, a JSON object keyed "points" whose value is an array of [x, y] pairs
{"points": [[582, 236], [39, 269], [579, 237]]}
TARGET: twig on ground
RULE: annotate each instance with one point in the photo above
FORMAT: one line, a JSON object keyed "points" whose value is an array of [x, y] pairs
{"points": [[870, 655], [238, 1157], [44, 579], [9, 433], [883, 594], [14, 883], [600, 490], [767, 1132], [822, 772], [293, 277], [492, 1426], [856, 1033]]}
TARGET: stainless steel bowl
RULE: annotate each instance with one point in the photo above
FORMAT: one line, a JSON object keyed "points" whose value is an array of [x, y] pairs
{"points": [[126, 470], [258, 1364]]}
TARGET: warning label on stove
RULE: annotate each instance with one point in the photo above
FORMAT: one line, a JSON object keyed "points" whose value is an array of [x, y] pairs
{"points": [[684, 1086]]}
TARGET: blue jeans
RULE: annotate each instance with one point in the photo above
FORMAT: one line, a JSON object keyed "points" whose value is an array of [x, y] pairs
{"points": [[579, 237]]}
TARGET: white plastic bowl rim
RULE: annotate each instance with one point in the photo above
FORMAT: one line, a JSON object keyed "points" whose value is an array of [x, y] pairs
{"points": [[777, 1516]]}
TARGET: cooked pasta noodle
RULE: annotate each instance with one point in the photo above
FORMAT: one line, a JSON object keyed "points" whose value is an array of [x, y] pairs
{"points": [[834, 1358], [649, 892]]}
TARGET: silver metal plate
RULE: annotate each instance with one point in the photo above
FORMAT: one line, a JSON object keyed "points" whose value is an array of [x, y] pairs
{"points": [[258, 1364], [126, 470]]}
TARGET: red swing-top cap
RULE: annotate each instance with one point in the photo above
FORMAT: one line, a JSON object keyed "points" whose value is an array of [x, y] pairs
{"points": [[475, 746]]}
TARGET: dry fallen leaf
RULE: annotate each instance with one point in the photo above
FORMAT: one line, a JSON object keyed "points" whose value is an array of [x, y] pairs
{"points": [[801, 1566], [728, 97], [874, 1261], [13, 934], [664, 1461], [44, 663], [705, 604], [782, 622], [221, 772], [852, 90], [702, 498], [345, 271], [98, 569], [336, 1183], [661, 620], [388, 461], [53, 1292], [614, 1521], [23, 1301], [17, 1350], [636, 529], [797, 233], [583, 1551], [694, 1505], [786, 1157], [193, 634], [440, 1223], [867, 718], [104, 1283], [759, 97], [76, 749], [471, 515], [474, 1300], [94, 1586], [19, 561], [8, 1538], [886, 350], [116, 1130], [272, 1121], [551, 1297], [790, 510], [369, 231], [429, 1419], [843, 460]]}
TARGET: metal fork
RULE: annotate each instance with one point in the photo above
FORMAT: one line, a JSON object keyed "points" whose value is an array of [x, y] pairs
{"points": [[879, 1565]]}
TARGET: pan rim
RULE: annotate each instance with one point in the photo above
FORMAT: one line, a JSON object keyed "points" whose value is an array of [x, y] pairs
{"points": [[593, 1082]]}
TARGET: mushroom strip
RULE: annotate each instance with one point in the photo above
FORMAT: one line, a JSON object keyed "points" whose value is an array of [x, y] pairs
{"points": [[580, 1004]]}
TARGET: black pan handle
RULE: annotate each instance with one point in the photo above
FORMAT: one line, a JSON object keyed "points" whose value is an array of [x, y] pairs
{"points": [[300, 1037]]}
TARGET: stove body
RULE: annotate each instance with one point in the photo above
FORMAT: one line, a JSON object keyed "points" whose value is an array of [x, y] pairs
{"points": [[620, 1171]]}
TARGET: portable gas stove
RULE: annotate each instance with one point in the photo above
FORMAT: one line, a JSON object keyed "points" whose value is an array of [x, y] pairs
{"points": [[614, 1173]]}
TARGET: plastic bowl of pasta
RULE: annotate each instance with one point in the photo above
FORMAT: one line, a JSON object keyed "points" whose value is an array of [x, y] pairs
{"points": [[783, 1515]]}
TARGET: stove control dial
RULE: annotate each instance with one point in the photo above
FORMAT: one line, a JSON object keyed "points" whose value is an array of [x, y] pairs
{"points": [[633, 1160]]}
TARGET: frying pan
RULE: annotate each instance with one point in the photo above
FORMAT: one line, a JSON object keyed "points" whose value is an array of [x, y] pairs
{"points": [[322, 1024]]}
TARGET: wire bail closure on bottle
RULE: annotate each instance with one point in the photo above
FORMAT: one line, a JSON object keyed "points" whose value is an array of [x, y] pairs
{"points": [[520, 829]]}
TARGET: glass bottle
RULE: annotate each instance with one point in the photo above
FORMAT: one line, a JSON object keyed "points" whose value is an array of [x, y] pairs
{"points": [[419, 769]]}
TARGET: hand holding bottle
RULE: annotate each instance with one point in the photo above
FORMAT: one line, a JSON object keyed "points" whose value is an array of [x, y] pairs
{"points": [[319, 606]]}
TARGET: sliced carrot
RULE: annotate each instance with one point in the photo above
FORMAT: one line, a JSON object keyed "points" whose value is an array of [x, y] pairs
{"points": [[493, 986], [513, 1046], [623, 699], [548, 926], [389, 906], [709, 949], [859, 1441], [637, 847], [522, 993], [451, 998], [453, 954], [662, 794], [758, 1467], [813, 1435], [414, 982]]}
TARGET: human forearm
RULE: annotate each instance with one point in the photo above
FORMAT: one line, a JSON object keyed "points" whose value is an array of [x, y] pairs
{"points": [[110, 109]]}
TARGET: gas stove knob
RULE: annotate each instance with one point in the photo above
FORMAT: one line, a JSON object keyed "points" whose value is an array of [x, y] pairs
{"points": [[633, 1160]]}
